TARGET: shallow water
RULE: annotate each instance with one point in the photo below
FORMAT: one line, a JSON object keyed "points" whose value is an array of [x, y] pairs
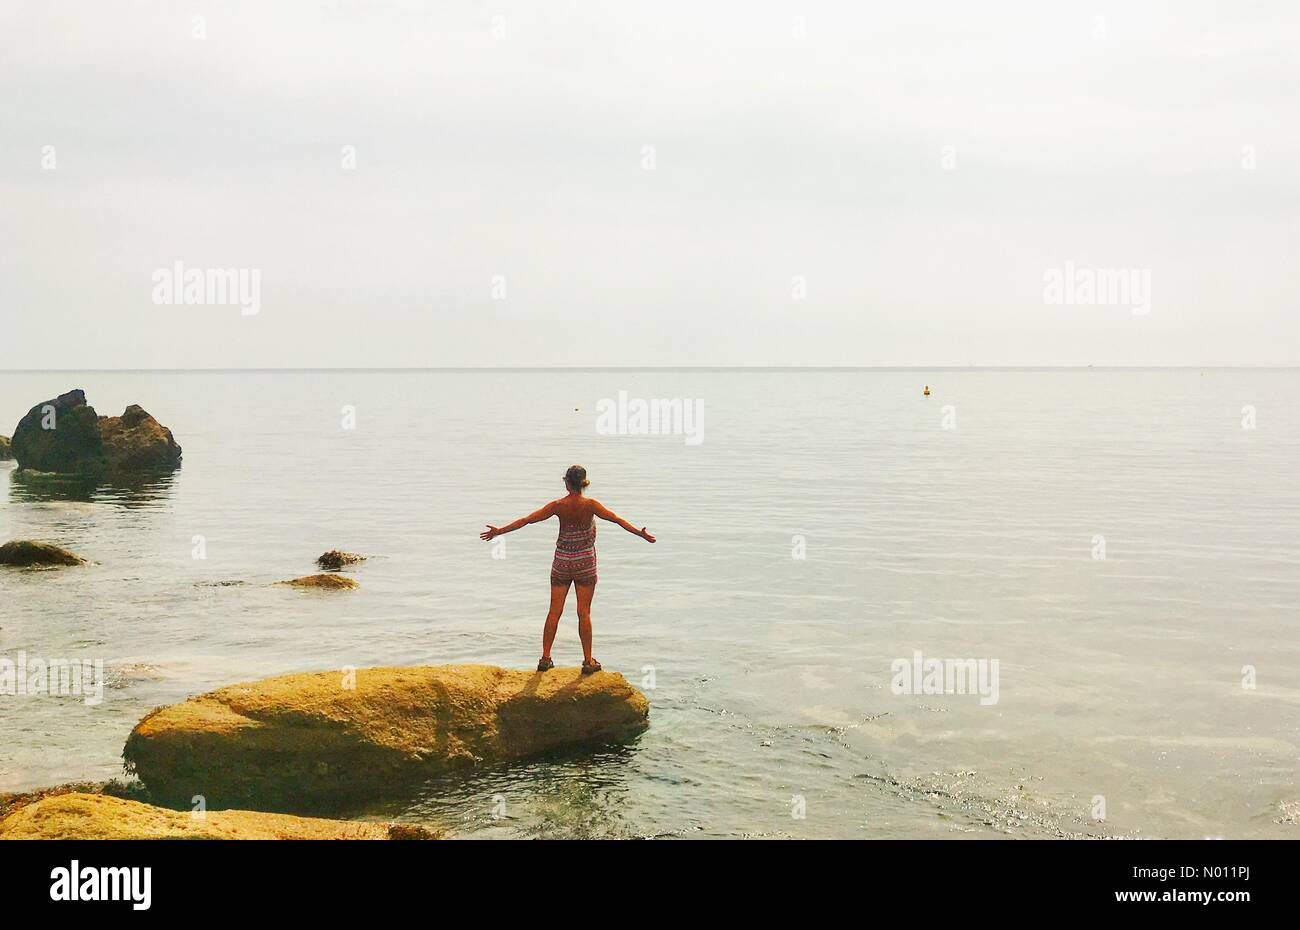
{"points": [[1119, 677]]}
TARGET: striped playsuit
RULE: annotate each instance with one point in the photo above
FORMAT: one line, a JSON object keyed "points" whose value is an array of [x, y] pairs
{"points": [[575, 557]]}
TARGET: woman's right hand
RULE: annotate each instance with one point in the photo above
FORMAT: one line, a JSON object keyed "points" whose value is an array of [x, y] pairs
{"points": [[489, 533], [646, 536]]}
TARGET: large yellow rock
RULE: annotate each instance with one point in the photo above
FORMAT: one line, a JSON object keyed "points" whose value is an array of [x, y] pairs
{"points": [[79, 816], [296, 741]]}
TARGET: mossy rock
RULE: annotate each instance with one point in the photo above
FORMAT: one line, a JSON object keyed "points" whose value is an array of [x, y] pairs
{"points": [[29, 552], [324, 582], [336, 559]]}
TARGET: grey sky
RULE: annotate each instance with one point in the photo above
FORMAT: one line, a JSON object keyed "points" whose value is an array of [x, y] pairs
{"points": [[1114, 143]]}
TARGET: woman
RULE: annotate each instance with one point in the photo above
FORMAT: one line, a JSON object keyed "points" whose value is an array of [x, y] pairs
{"points": [[575, 558]]}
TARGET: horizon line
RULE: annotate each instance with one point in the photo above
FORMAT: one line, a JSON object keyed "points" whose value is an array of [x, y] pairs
{"points": [[610, 368]]}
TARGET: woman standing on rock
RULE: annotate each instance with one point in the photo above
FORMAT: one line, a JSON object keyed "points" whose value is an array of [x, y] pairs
{"points": [[575, 558]]}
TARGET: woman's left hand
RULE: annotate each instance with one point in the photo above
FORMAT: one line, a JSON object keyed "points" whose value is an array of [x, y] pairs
{"points": [[490, 532]]}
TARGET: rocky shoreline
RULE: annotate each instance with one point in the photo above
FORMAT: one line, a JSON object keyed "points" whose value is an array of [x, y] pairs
{"points": [[257, 752], [262, 754]]}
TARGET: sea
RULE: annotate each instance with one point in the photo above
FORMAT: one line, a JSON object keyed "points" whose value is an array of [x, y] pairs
{"points": [[1030, 603]]}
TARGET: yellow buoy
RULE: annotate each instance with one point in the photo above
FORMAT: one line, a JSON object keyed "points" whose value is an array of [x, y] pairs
{"points": [[927, 390]]}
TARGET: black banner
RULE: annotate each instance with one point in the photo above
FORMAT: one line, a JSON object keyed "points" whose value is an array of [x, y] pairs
{"points": [[172, 878]]}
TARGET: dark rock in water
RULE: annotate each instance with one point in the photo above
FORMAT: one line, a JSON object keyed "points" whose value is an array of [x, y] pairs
{"points": [[66, 436], [136, 441], [60, 435], [6, 451], [26, 552], [335, 559]]}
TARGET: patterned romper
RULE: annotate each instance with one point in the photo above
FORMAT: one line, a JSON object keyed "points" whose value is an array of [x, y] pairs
{"points": [[575, 557]]}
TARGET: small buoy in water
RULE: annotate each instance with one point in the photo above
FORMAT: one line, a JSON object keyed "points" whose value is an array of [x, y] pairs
{"points": [[926, 392]]}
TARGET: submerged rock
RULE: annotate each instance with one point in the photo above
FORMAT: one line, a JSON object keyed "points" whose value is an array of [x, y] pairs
{"points": [[66, 436], [335, 559], [6, 449], [333, 738], [26, 552], [80, 816], [326, 582]]}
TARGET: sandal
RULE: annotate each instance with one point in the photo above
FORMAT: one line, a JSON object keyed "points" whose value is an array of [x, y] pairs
{"points": [[592, 668], [545, 663]]}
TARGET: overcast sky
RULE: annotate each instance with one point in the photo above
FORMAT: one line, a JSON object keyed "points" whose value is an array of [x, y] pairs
{"points": [[911, 170]]}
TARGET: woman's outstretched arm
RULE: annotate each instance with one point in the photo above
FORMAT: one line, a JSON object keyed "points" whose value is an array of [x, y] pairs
{"points": [[606, 514], [537, 516]]}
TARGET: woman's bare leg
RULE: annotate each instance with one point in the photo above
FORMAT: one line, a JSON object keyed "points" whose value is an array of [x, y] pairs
{"points": [[585, 593], [558, 594]]}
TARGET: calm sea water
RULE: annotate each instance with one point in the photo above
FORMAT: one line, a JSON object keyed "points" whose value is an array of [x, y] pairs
{"points": [[1120, 678]]}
